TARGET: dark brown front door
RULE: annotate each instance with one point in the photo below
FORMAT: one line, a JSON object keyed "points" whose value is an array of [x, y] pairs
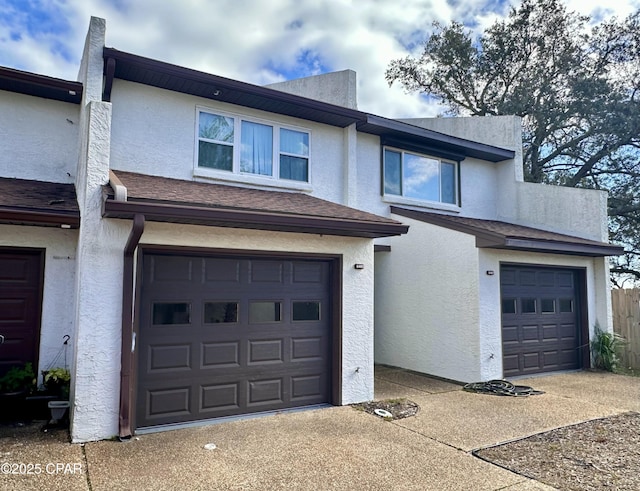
{"points": [[20, 306], [221, 336], [540, 319]]}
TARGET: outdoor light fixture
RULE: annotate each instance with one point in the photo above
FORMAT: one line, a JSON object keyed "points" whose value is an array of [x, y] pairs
{"points": [[358, 266], [490, 273]]}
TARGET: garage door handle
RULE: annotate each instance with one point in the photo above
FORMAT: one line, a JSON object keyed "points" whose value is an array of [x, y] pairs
{"points": [[1, 339]]}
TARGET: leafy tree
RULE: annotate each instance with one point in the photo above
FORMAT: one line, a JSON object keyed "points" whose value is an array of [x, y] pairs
{"points": [[576, 86]]}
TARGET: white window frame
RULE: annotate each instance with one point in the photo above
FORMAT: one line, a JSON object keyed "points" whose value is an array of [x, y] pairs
{"points": [[401, 198], [235, 174]]}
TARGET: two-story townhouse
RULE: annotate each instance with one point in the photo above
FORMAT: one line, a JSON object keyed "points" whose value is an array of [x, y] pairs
{"points": [[221, 255]]}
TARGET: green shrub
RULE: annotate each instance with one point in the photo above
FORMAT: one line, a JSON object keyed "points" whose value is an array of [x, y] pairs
{"points": [[18, 379], [605, 348]]}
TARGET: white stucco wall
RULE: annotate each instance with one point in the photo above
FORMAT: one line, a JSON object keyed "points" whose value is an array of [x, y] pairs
{"points": [[98, 286], [38, 138], [573, 211], [95, 388], [154, 131], [369, 172], [427, 307], [335, 88], [58, 297]]}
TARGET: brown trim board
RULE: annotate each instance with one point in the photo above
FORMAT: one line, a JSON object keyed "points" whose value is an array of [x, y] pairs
{"points": [[37, 217], [250, 219], [126, 348]]}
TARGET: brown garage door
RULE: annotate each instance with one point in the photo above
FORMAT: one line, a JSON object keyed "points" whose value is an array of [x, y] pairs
{"points": [[20, 303], [540, 320], [221, 336]]}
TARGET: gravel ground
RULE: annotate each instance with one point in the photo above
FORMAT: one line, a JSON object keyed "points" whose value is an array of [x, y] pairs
{"points": [[602, 454]]}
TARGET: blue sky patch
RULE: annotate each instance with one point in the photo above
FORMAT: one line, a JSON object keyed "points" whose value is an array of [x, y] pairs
{"points": [[307, 63], [36, 17]]}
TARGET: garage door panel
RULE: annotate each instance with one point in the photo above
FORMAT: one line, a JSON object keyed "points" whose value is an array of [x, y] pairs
{"points": [[172, 358], [221, 271], [220, 355], [308, 272], [531, 360], [540, 327], [171, 269], [510, 335], [568, 331], [566, 280], [307, 387], [546, 278], [527, 278], [551, 358], [258, 338], [510, 361], [267, 391], [566, 357], [219, 397], [174, 402], [266, 272], [267, 351], [550, 332], [307, 348], [529, 333]]}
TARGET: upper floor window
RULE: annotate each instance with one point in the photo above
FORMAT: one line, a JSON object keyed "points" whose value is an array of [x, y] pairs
{"points": [[421, 177], [232, 144]]}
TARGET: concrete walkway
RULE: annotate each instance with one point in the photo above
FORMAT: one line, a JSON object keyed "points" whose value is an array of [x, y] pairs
{"points": [[333, 448]]}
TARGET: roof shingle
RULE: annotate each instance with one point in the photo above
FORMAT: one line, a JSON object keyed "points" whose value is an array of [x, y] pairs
{"points": [[38, 202], [275, 206], [504, 235]]}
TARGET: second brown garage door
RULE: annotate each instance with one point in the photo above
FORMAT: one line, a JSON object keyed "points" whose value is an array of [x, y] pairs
{"points": [[221, 336], [541, 329]]}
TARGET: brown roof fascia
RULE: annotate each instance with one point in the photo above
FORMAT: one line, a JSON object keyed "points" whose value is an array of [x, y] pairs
{"points": [[495, 240], [162, 212], [563, 247], [40, 85], [218, 85], [378, 125], [40, 217]]}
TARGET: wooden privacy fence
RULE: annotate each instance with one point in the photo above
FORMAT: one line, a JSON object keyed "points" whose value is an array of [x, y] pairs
{"points": [[625, 304]]}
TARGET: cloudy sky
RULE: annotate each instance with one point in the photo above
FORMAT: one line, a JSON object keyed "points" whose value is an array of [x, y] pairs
{"points": [[256, 41]]}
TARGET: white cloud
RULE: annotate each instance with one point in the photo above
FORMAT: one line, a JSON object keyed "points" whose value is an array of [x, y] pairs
{"points": [[259, 41]]}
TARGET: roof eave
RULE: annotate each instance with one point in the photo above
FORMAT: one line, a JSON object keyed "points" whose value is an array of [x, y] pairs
{"points": [[224, 217], [40, 218], [554, 247], [486, 239], [226, 90], [378, 125], [40, 85]]}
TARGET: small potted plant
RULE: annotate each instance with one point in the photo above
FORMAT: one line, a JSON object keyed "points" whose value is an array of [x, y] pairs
{"points": [[57, 381], [15, 385], [18, 380]]}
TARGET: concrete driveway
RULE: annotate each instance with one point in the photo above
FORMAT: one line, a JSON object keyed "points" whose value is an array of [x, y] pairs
{"points": [[332, 448]]}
